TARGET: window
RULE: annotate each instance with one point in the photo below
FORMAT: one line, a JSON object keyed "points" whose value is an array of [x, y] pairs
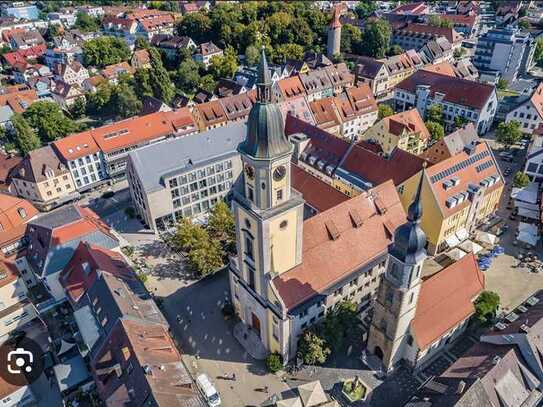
{"points": [[411, 297], [22, 212], [409, 340], [279, 194], [251, 278], [249, 250], [173, 182], [250, 194], [283, 224]]}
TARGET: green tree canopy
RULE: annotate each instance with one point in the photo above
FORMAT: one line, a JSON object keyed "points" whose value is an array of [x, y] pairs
{"points": [[25, 137], [159, 78], [196, 26], [508, 133], [385, 111], [486, 306], [524, 24], [434, 113], [351, 39], [49, 121], [221, 226], [376, 38], [460, 121], [188, 78], [207, 83], [104, 51], [439, 22], [313, 349], [340, 324], [99, 101], [142, 83], [395, 50], [502, 84], [252, 55], [459, 52], [437, 132], [86, 23], [126, 101], [224, 66], [77, 110], [520, 180], [288, 51], [365, 8]]}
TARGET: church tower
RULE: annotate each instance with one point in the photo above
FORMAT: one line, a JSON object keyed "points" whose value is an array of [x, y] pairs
{"points": [[269, 218], [334, 34], [389, 337]]}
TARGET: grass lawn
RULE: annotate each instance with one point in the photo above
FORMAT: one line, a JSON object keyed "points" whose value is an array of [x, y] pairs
{"points": [[506, 92], [354, 394]]}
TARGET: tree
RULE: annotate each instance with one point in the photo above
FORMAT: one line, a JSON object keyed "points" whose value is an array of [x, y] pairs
{"points": [[99, 101], [142, 83], [437, 21], [274, 362], [486, 306], [520, 180], [224, 66], [436, 130], [53, 31], [508, 133], [340, 324], [25, 137], [313, 349], [141, 43], [460, 121], [538, 53], [126, 101], [77, 110], [86, 23], [435, 114], [351, 38], [376, 38], [188, 78], [459, 52], [395, 50], [365, 8], [187, 235], [206, 257], [524, 24], [196, 26], [104, 51], [288, 51], [385, 111], [221, 226], [252, 55], [502, 84], [207, 83], [49, 121], [159, 78]]}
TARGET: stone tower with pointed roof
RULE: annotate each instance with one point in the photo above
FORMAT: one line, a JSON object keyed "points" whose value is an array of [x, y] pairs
{"points": [[334, 33], [268, 215], [390, 336]]}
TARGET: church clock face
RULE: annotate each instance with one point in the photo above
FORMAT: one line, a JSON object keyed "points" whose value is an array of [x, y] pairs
{"points": [[279, 173], [249, 172]]}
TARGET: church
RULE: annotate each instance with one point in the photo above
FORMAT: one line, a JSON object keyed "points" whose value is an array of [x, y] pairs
{"points": [[289, 271]]}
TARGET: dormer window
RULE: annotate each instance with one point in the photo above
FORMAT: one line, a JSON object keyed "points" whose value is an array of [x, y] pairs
{"points": [[22, 212], [49, 173]]}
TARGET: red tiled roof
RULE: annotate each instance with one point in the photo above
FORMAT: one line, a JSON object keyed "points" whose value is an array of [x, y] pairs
{"points": [[7, 164], [460, 91], [466, 174], [444, 68], [409, 120], [450, 33], [211, 112], [21, 56], [12, 222], [411, 8], [76, 280], [354, 247], [19, 101], [467, 20], [291, 87], [112, 71], [317, 194], [446, 299], [362, 98], [76, 145], [377, 169], [324, 112]]}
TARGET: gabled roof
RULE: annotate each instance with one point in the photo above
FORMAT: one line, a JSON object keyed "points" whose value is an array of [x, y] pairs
{"points": [[324, 112], [75, 146], [7, 164], [368, 67], [36, 164], [211, 112], [380, 212], [431, 31], [15, 213], [476, 167], [315, 81], [141, 57], [237, 106], [291, 87], [317, 194], [398, 167], [208, 48], [361, 98], [456, 90], [19, 101], [409, 122], [446, 299], [339, 74], [22, 55], [112, 71]]}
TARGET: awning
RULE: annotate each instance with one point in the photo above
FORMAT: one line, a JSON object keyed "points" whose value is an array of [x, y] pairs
{"points": [[470, 247], [452, 241], [462, 234], [485, 237], [528, 213], [456, 254]]}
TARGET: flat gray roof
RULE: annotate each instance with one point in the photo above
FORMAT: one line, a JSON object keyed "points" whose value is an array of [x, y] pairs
{"points": [[152, 162]]}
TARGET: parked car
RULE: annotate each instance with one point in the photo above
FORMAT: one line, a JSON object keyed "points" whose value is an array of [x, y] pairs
{"points": [[210, 393]]}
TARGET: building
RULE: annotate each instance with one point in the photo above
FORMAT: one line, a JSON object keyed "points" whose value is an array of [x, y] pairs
{"points": [[317, 84], [503, 366], [15, 213], [43, 179], [466, 24], [17, 309], [22, 11], [210, 115], [452, 144], [52, 240], [326, 116], [283, 278], [404, 130], [82, 156], [71, 73], [475, 102], [15, 102], [384, 74], [357, 110], [412, 9], [206, 51], [290, 88], [504, 51], [7, 163], [297, 107], [437, 51], [184, 177], [459, 194], [529, 112], [140, 59], [415, 36], [65, 94], [534, 157], [112, 72], [172, 45], [413, 317], [237, 107], [333, 45], [21, 38], [340, 77]]}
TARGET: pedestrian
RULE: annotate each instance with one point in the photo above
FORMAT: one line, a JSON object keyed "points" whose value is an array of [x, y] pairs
{"points": [[233, 376], [266, 389]]}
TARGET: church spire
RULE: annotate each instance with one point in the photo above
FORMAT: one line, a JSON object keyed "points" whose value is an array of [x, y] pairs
{"points": [[414, 213], [264, 82]]}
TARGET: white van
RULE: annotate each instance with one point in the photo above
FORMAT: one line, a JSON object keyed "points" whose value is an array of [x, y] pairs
{"points": [[210, 393]]}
